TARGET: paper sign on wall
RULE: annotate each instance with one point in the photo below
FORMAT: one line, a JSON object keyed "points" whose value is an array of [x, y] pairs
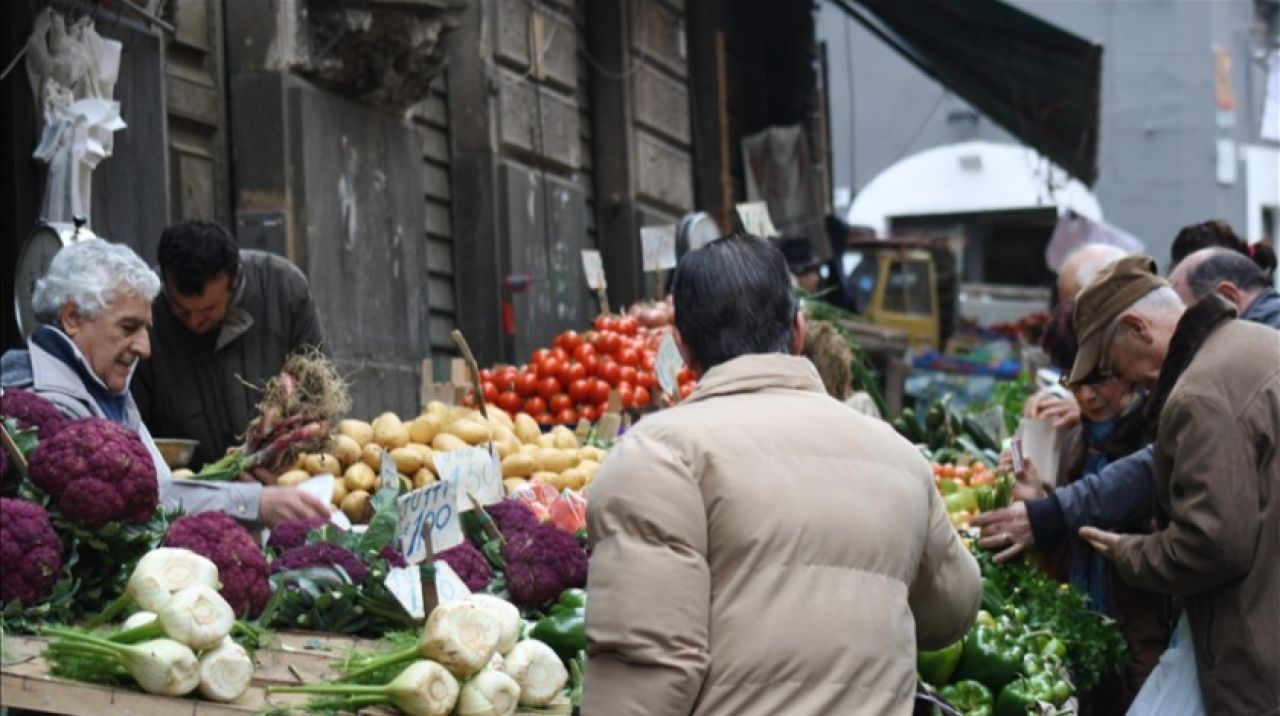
{"points": [[593, 267], [668, 364], [756, 220], [659, 246], [430, 513], [476, 472]]}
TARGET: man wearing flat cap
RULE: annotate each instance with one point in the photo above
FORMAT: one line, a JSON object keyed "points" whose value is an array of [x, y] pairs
{"points": [[1215, 391]]}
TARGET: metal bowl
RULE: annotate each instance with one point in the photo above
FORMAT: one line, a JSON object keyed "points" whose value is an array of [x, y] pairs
{"points": [[176, 451]]}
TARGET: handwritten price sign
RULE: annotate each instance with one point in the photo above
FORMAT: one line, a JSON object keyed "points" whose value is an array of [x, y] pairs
{"points": [[668, 365], [658, 244], [476, 472], [429, 514]]}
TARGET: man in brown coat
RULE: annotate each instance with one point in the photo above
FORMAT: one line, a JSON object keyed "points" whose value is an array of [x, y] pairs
{"points": [[1215, 385], [760, 548]]}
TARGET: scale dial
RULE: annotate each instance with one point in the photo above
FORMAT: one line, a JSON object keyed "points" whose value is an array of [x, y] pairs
{"points": [[33, 261]]}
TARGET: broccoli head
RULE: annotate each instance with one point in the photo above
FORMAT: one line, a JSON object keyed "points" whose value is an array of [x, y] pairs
{"points": [[512, 517], [242, 569], [30, 552], [469, 564], [542, 563], [31, 411], [293, 533], [97, 472], [322, 554]]}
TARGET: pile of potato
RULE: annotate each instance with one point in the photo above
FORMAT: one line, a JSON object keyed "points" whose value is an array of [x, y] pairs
{"points": [[354, 454]]}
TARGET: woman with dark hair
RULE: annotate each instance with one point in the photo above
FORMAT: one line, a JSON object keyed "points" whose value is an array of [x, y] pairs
{"points": [[1218, 233]]}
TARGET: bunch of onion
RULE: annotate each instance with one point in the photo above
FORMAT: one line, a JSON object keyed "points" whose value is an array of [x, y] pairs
{"points": [[160, 574], [462, 636], [424, 688], [296, 414]]}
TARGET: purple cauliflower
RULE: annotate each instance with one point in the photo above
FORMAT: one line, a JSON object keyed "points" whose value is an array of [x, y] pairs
{"points": [[322, 554], [97, 472], [512, 517], [542, 563], [293, 533], [30, 552], [32, 411], [469, 564], [393, 557], [242, 569]]}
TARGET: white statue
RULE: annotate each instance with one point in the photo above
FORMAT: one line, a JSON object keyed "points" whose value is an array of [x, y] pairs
{"points": [[73, 75]]}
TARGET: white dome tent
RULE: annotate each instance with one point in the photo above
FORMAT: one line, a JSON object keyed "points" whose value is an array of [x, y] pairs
{"points": [[966, 177]]}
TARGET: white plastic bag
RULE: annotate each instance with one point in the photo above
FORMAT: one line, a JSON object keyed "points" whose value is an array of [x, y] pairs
{"points": [[1173, 688]]}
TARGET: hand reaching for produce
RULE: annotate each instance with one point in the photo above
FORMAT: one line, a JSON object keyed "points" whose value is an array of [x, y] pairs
{"points": [[1101, 540], [1046, 406], [1007, 529], [288, 503]]}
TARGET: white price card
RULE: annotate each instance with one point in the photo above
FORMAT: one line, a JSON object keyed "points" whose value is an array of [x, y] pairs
{"points": [[406, 585], [756, 220], [388, 476], [321, 488], [668, 364], [593, 267], [449, 586], [659, 246], [476, 471], [430, 513]]}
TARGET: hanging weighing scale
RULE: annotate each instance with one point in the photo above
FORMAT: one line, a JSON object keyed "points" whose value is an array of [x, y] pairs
{"points": [[46, 240]]}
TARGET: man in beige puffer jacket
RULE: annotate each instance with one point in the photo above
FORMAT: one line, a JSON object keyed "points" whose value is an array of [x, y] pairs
{"points": [[760, 548]]}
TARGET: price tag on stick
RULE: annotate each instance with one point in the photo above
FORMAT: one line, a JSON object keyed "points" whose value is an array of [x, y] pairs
{"points": [[388, 476], [475, 471], [593, 267], [668, 364], [429, 521], [756, 220]]}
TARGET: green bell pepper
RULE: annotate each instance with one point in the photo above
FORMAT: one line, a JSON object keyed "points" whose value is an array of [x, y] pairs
{"points": [[992, 655], [969, 697], [1022, 696], [936, 667], [570, 599], [565, 632]]}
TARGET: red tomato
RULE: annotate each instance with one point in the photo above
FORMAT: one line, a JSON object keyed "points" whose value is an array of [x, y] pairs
{"points": [[527, 384], [504, 378], [486, 374], [576, 372], [611, 343], [600, 391], [549, 367], [545, 420], [584, 352], [645, 379], [580, 391], [539, 356], [628, 396], [548, 387], [627, 326], [560, 402], [685, 375], [641, 396], [629, 356], [490, 392], [567, 417], [592, 364], [611, 372], [591, 413], [628, 374], [510, 401], [535, 406], [569, 340], [647, 359], [605, 323], [686, 389]]}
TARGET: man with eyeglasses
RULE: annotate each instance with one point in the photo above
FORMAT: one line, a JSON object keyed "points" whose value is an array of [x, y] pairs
{"points": [[226, 319], [1215, 387]]}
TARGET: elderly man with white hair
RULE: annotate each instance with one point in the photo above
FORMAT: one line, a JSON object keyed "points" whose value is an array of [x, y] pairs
{"points": [[94, 306]]}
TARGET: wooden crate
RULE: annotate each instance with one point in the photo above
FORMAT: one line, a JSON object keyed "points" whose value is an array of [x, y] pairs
{"points": [[25, 682]]}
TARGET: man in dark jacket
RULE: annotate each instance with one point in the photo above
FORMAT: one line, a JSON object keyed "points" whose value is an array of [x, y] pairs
{"points": [[1233, 276], [226, 319], [1215, 383]]}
